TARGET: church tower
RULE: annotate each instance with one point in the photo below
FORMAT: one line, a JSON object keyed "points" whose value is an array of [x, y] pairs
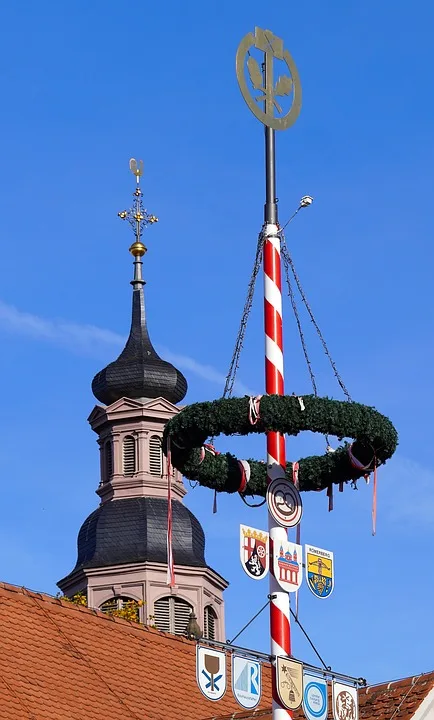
{"points": [[122, 545]]}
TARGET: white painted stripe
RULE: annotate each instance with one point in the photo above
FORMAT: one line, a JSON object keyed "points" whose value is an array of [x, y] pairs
{"points": [[274, 354], [273, 294], [271, 235], [270, 229]]}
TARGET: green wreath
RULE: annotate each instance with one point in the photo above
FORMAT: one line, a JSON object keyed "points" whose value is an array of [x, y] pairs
{"points": [[375, 440]]}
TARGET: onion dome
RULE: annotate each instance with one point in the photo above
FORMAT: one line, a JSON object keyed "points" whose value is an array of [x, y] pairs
{"points": [[133, 530], [138, 372]]}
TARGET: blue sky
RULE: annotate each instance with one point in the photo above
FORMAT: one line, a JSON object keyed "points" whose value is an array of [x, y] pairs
{"points": [[85, 86]]}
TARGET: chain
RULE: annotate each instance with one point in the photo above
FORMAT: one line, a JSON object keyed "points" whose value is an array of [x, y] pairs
{"points": [[290, 264], [300, 329], [233, 368]]}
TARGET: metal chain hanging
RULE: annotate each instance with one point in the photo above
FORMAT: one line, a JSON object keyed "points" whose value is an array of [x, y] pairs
{"points": [[289, 264], [234, 365]]}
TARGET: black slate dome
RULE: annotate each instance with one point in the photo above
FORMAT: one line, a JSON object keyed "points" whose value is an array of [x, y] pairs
{"points": [[139, 372], [133, 530]]}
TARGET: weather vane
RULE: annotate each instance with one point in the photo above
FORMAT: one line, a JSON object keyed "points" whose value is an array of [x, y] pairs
{"points": [[137, 216]]}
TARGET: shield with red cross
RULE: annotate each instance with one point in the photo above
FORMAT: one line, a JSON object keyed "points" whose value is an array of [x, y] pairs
{"points": [[254, 552]]}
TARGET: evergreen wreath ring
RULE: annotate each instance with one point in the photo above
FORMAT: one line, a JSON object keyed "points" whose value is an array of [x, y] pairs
{"points": [[374, 440]]}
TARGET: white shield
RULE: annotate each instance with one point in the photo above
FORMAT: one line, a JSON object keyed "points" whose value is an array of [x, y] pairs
{"points": [[288, 565], [254, 552], [345, 701], [246, 681], [315, 698], [211, 672]]}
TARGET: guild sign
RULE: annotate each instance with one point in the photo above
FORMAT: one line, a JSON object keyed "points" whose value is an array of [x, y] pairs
{"points": [[315, 703], [284, 502], [270, 92], [211, 672], [254, 552], [345, 702], [289, 682], [288, 565], [246, 681], [319, 571]]}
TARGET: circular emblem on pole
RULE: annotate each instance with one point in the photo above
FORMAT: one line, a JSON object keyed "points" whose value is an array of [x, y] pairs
{"points": [[284, 502], [261, 77]]}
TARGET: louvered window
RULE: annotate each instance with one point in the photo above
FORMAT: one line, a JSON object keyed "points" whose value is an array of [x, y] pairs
{"points": [[155, 455], [129, 455], [108, 450], [209, 623], [172, 615], [116, 605]]}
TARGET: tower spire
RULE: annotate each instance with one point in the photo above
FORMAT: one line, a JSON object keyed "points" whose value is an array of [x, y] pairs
{"points": [[139, 219], [138, 372]]}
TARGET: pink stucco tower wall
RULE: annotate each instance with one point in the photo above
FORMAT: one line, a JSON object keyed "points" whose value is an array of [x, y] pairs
{"points": [[122, 552]]}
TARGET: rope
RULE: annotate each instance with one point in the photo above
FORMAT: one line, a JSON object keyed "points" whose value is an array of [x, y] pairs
{"points": [[326, 667], [231, 642]]}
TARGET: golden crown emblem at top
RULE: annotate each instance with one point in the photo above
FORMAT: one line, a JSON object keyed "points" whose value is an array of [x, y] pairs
{"points": [[255, 534]]}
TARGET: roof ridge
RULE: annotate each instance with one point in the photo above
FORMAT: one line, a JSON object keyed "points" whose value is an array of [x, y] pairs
{"points": [[54, 600], [388, 683]]}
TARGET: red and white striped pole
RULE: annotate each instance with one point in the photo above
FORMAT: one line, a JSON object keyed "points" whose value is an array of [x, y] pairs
{"points": [[276, 463], [280, 630]]}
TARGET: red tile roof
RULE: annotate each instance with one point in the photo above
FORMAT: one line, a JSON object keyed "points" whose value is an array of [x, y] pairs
{"points": [[397, 700], [59, 661]]}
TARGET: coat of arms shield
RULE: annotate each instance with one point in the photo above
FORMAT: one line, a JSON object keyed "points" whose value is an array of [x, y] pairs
{"points": [[211, 672], [289, 682], [254, 552], [315, 697], [288, 565], [246, 681], [320, 571], [345, 701]]}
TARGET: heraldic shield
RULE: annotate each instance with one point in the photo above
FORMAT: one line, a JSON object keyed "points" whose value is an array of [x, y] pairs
{"points": [[320, 571], [211, 672], [345, 701], [246, 681], [288, 565], [315, 697], [289, 680], [254, 552]]}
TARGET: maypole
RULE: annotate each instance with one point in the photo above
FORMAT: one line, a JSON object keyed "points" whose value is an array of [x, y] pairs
{"points": [[276, 414], [272, 47]]}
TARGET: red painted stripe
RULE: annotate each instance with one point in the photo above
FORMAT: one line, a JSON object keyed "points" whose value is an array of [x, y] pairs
{"points": [[272, 263], [273, 323], [279, 628], [273, 379]]}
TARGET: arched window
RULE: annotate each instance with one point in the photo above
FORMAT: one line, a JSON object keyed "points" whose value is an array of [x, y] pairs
{"points": [[171, 614], [108, 453], [155, 455], [121, 607], [209, 623], [129, 455]]}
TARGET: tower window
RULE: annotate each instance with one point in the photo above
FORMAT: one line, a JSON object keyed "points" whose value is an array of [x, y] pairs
{"points": [[129, 455], [172, 615], [108, 452], [122, 607], [209, 623], [155, 455]]}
